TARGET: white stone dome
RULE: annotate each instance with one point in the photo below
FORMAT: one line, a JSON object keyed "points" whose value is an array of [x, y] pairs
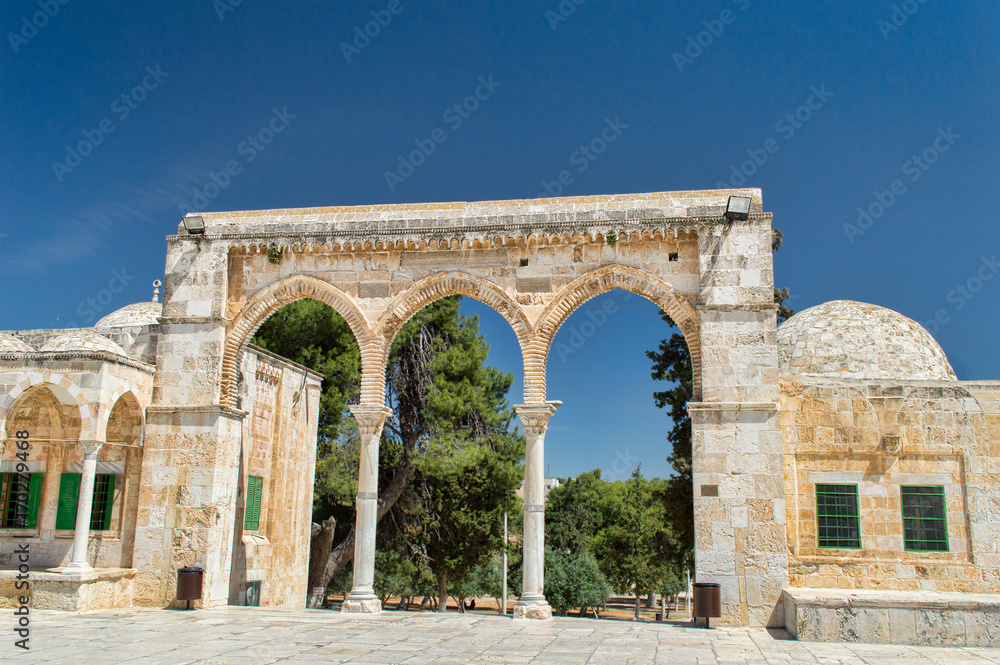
{"points": [[83, 340], [136, 314], [853, 340], [11, 344]]}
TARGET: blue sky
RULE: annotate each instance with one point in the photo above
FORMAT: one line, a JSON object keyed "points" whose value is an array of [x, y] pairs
{"points": [[829, 107]]}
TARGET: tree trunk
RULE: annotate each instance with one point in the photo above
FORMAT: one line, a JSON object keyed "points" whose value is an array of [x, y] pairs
{"points": [[343, 553], [443, 592], [638, 599], [650, 601], [319, 545], [424, 603]]}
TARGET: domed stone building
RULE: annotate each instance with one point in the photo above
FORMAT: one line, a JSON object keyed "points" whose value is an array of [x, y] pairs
{"points": [[890, 473]]}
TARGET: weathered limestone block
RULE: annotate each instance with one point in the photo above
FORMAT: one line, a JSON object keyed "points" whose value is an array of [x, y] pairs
{"points": [[533, 612]]}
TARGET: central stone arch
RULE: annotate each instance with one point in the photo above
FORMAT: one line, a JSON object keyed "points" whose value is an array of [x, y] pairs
{"points": [[440, 285]]}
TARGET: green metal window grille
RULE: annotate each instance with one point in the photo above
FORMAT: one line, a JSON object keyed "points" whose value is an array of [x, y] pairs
{"points": [[19, 498], [69, 497], [925, 521], [251, 517], [837, 523]]}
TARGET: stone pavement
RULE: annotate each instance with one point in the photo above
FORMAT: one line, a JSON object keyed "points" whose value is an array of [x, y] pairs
{"points": [[235, 636]]}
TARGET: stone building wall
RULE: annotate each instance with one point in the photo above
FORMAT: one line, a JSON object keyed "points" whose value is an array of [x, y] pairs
{"points": [[880, 436], [279, 446]]}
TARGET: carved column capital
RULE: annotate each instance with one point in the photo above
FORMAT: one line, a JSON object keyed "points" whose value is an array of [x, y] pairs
{"points": [[91, 448], [370, 418], [535, 417]]}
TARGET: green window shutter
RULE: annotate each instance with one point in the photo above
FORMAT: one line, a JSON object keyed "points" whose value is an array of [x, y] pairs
{"points": [[104, 499], [255, 488], [256, 501], [34, 495], [69, 494]]}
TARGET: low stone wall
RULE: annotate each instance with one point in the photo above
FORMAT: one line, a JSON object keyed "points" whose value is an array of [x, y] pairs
{"points": [[101, 589], [893, 617]]}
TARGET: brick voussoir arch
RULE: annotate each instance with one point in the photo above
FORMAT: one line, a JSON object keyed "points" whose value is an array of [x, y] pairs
{"points": [[65, 391], [269, 300], [451, 283], [592, 285]]}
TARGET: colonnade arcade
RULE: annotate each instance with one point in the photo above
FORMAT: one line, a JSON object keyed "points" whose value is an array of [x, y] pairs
{"points": [[534, 262], [54, 423]]}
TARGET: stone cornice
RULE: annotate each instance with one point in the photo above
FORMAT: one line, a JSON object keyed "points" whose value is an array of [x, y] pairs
{"points": [[75, 356], [465, 231]]}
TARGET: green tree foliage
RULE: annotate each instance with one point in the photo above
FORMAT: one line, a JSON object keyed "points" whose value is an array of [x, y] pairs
{"points": [[574, 580], [672, 363], [634, 546], [313, 334], [573, 513], [449, 462], [452, 423]]}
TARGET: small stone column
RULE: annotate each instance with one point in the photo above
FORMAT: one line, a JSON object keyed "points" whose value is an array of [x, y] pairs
{"points": [[362, 598], [84, 506], [532, 604]]}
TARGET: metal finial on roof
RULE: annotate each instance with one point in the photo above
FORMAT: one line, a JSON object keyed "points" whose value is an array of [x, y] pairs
{"points": [[156, 290]]}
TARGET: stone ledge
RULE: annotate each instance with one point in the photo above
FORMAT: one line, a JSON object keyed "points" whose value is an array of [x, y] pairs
{"points": [[893, 617], [98, 589]]}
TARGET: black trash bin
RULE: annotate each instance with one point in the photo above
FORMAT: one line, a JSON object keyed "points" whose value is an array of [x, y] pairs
{"points": [[189, 582], [707, 603]]}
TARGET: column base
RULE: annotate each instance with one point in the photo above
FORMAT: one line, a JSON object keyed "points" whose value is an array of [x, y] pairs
{"points": [[537, 610], [361, 605], [77, 568]]}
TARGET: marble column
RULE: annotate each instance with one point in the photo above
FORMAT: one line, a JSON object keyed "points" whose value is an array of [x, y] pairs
{"points": [[362, 598], [532, 604], [84, 506]]}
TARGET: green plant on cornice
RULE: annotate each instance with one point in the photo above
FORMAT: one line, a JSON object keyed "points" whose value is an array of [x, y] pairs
{"points": [[611, 238], [273, 253]]}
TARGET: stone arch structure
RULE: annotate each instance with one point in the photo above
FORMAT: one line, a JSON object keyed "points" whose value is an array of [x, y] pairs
{"points": [[440, 285], [274, 297], [534, 262], [123, 422], [63, 390], [593, 284]]}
